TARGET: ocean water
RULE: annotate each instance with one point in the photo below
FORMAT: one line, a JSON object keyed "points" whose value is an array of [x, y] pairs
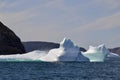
{"points": [[109, 70]]}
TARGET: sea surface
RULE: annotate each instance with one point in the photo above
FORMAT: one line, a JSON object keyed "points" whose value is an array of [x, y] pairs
{"points": [[34, 70]]}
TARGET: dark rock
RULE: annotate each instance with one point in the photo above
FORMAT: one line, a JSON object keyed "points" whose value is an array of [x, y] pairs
{"points": [[83, 49], [115, 50], [9, 42], [38, 45]]}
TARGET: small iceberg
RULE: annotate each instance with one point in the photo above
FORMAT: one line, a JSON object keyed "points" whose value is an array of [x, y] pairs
{"points": [[96, 54]]}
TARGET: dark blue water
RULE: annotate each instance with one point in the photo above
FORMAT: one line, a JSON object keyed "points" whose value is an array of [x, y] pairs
{"points": [[60, 71]]}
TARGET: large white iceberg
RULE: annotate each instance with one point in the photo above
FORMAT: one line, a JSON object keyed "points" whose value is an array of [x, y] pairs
{"points": [[96, 54], [67, 51]]}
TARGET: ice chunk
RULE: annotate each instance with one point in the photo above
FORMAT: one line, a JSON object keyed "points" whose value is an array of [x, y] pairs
{"points": [[96, 54]]}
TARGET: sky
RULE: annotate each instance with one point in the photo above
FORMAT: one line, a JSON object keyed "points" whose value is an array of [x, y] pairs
{"points": [[85, 22]]}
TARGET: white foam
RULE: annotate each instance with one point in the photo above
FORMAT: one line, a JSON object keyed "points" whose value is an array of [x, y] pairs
{"points": [[31, 56]]}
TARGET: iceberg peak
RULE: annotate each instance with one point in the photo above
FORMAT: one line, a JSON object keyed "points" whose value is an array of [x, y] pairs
{"points": [[103, 49], [102, 45], [91, 48], [66, 43]]}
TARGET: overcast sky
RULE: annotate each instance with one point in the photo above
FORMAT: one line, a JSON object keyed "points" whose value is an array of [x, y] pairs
{"points": [[86, 22]]}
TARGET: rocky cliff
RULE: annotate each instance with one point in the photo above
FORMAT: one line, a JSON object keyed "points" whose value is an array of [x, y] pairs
{"points": [[9, 42]]}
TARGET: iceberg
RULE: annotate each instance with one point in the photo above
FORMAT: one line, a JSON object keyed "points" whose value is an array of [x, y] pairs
{"points": [[67, 51], [96, 54]]}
